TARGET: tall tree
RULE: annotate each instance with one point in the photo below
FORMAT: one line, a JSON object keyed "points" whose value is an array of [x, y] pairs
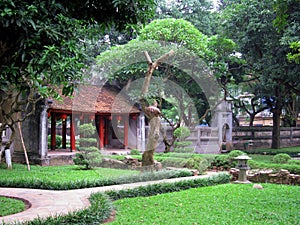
{"points": [[187, 72], [251, 25], [43, 44]]}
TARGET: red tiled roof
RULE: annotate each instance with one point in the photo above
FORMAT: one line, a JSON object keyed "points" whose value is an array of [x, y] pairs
{"points": [[95, 99]]}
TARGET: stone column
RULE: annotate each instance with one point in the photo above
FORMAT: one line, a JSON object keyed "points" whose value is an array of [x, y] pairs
{"points": [[43, 138]]}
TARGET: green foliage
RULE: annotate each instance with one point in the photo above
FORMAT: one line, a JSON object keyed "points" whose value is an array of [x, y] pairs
{"points": [[155, 189], [281, 158], [70, 177], [172, 161], [200, 164], [182, 133], [58, 141], [183, 144], [292, 151], [221, 161], [220, 204], [295, 54], [89, 155], [134, 152], [87, 130], [177, 31], [10, 206], [184, 150]]}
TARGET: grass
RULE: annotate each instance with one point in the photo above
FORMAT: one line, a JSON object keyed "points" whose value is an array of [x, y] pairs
{"points": [[61, 173], [222, 204], [10, 206], [70, 177]]}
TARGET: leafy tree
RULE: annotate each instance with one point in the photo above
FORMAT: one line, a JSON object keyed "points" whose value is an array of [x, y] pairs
{"points": [[264, 48], [199, 13], [43, 44], [125, 64]]}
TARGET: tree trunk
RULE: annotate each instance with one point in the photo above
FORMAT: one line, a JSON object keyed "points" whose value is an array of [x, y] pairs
{"points": [[251, 122], [152, 112], [276, 119], [276, 129], [147, 157]]}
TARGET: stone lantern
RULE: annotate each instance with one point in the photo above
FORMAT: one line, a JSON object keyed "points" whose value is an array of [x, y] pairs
{"points": [[243, 167]]}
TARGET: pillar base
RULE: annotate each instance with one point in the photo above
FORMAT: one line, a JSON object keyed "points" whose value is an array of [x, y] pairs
{"points": [[242, 182]]}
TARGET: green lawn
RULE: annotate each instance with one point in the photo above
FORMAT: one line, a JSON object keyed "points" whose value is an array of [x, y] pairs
{"points": [[10, 206], [59, 177], [222, 204], [61, 173]]}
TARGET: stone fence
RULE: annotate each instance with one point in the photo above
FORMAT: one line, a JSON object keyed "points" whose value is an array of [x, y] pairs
{"points": [[261, 137], [268, 176]]}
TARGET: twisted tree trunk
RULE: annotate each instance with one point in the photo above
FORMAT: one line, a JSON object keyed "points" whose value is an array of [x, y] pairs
{"points": [[152, 112]]}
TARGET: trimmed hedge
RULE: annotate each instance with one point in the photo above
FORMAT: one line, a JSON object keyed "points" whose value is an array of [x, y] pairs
{"points": [[292, 151], [155, 189], [77, 184]]}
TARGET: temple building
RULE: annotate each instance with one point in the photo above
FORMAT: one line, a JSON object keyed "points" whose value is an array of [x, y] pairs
{"points": [[119, 123]]}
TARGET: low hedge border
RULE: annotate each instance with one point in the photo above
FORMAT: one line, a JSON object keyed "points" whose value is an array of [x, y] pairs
{"points": [[293, 151], [102, 205], [77, 184], [162, 188]]}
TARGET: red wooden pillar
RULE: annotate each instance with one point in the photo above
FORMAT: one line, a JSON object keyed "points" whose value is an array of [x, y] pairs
{"points": [[106, 132], [72, 135], [126, 128], [53, 131], [64, 130], [101, 132]]}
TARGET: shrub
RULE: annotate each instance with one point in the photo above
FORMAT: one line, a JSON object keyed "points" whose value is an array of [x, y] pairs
{"points": [[89, 155], [292, 151], [281, 158], [58, 141], [155, 189], [181, 144], [200, 164], [87, 130], [221, 161], [231, 157], [184, 150], [182, 133], [173, 162]]}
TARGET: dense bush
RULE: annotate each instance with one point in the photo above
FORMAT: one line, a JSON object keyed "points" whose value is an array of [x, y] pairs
{"points": [[89, 155], [182, 133], [200, 164], [155, 189], [281, 158], [172, 162]]}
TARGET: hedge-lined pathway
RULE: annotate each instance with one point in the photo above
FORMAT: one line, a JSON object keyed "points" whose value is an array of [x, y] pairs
{"points": [[46, 203]]}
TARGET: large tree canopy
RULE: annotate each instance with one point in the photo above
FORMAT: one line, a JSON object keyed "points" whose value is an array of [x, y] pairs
{"points": [[264, 45], [43, 44]]}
